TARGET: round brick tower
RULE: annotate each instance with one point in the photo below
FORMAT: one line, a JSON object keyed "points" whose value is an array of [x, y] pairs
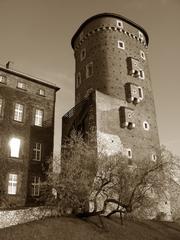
{"points": [[111, 55]]}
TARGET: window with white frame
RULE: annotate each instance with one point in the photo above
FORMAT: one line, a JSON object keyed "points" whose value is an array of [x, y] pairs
{"points": [[12, 184], [141, 74], [37, 149], [141, 96], [38, 117], [83, 54], [142, 54], [146, 125], [3, 79], [154, 157], [89, 69], [141, 36], [128, 153], [21, 85], [35, 190], [42, 92], [119, 24], [15, 145], [121, 44], [18, 112]]}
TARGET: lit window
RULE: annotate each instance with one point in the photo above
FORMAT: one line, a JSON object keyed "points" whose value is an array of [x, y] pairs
{"points": [[36, 186], [119, 24], [154, 157], [78, 80], [3, 79], [38, 117], [121, 45], [37, 151], [146, 125], [141, 74], [12, 184], [1, 106], [21, 85], [89, 69], [142, 54], [42, 92], [141, 36], [83, 54], [15, 144], [18, 112]]}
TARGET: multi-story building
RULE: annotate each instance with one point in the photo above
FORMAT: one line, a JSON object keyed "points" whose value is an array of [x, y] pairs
{"points": [[27, 107], [111, 57]]}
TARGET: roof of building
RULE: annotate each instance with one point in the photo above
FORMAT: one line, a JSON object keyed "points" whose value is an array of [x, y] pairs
{"points": [[29, 77], [108, 15]]}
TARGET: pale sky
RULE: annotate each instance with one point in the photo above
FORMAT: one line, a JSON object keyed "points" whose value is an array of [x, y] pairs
{"points": [[36, 36]]}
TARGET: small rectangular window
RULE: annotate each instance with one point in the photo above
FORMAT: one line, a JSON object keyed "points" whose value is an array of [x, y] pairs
{"points": [[141, 74], [41, 92], [89, 69], [142, 54], [38, 117], [119, 24], [15, 144], [12, 184], [3, 79], [141, 96], [121, 45], [37, 148], [18, 112], [35, 192], [21, 85]]}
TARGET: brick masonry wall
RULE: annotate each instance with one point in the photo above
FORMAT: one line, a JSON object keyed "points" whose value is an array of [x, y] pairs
{"points": [[24, 166]]}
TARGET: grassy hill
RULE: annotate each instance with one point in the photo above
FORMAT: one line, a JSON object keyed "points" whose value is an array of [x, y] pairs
{"points": [[66, 228]]}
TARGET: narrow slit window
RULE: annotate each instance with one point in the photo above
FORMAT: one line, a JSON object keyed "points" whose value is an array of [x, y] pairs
{"points": [[78, 80], [141, 74], [1, 106], [140, 93]]}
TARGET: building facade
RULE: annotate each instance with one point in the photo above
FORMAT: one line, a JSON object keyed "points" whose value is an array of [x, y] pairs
{"points": [[27, 106], [111, 67]]}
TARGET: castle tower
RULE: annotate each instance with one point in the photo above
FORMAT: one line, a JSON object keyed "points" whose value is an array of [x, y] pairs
{"points": [[112, 58], [113, 91]]}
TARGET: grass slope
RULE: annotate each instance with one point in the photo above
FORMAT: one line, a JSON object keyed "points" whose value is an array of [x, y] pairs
{"points": [[66, 228]]}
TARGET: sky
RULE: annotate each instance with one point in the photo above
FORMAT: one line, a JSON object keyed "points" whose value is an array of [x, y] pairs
{"points": [[36, 36]]}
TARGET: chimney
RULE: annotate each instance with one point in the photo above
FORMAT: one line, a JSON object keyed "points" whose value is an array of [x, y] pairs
{"points": [[9, 64]]}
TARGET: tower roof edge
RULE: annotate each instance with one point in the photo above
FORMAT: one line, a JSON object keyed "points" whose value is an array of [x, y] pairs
{"points": [[108, 15]]}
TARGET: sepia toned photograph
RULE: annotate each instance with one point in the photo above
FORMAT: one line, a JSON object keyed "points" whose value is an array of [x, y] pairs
{"points": [[89, 120]]}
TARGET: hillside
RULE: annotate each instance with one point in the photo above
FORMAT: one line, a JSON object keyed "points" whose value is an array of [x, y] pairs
{"points": [[66, 228]]}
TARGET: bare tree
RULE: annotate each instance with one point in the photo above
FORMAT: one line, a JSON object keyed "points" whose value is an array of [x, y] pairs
{"points": [[109, 183]]}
